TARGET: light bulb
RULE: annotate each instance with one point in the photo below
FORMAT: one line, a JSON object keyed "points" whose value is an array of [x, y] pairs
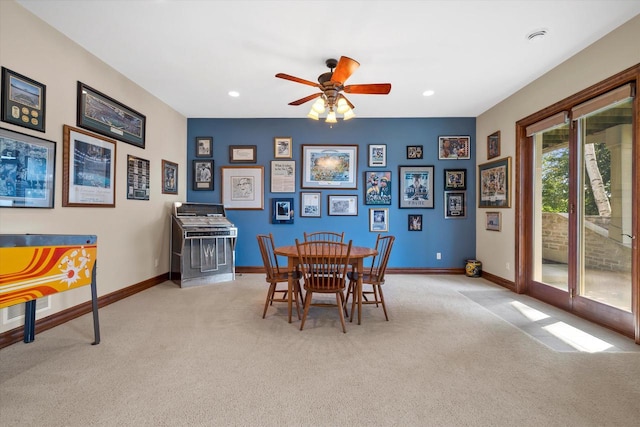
{"points": [[331, 117], [318, 106]]}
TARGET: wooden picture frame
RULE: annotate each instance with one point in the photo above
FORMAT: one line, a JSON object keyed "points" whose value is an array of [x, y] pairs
{"points": [[169, 177], [23, 101], [455, 179], [102, 114], [88, 169], [343, 205], [378, 188], [416, 187], [454, 147], [378, 220], [494, 184], [36, 187], [243, 154], [243, 187], [283, 176], [204, 146], [414, 223], [377, 155], [493, 221], [282, 211], [493, 145], [311, 204], [330, 166], [283, 147], [138, 174], [414, 152], [455, 204], [202, 175]]}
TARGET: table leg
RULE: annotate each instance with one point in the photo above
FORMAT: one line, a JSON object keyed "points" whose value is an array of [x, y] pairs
{"points": [[290, 285], [359, 286]]}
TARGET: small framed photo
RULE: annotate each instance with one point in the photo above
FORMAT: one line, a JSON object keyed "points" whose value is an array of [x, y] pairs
{"points": [[414, 151], [379, 219], [455, 179], [204, 146], [283, 176], [415, 223], [494, 180], [454, 147], [243, 187], [377, 155], [282, 211], [310, 204], [494, 221], [378, 188], [169, 177], [283, 147], [493, 145], [416, 187], [242, 154], [343, 205], [455, 204], [23, 100], [202, 175], [138, 173]]}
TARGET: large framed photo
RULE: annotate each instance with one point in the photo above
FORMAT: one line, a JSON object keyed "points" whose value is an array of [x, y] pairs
{"points": [[455, 179], [493, 181], [416, 187], [494, 221], [89, 169], [378, 188], [169, 177], [243, 154], [202, 175], [343, 205], [493, 145], [204, 146], [377, 155], [454, 147], [137, 178], [23, 100], [379, 219], [282, 211], [283, 147], [243, 187], [329, 166], [283, 176], [455, 204], [310, 204], [27, 171], [102, 114]]}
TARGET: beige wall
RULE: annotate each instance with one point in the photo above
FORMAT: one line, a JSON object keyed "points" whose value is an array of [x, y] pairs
{"points": [[613, 53], [132, 235]]}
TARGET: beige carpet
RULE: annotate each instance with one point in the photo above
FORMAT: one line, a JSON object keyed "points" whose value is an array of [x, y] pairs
{"points": [[205, 357]]}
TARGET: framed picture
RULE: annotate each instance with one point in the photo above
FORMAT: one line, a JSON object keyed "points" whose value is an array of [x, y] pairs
{"points": [[89, 169], [494, 180], [493, 145], [283, 147], [23, 100], [454, 147], [243, 187], [455, 179], [343, 205], [378, 188], [242, 154], [494, 221], [27, 171], [455, 204], [104, 115], [378, 219], [414, 151], [310, 204], [137, 178], [204, 146], [377, 155], [330, 166], [169, 177], [202, 175], [282, 211], [415, 223], [283, 176], [416, 187]]}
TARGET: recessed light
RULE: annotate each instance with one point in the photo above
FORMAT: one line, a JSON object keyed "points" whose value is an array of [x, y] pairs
{"points": [[234, 93], [428, 92], [537, 35]]}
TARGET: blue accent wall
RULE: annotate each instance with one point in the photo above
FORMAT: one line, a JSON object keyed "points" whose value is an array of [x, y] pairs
{"points": [[453, 238]]}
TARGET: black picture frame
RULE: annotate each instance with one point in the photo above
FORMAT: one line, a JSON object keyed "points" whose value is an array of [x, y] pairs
{"points": [[243, 154], [282, 211], [493, 145], [494, 184], [414, 223], [102, 114], [23, 101], [455, 179], [169, 177], [204, 146], [455, 204], [415, 152], [138, 178], [411, 197], [378, 189], [202, 173]]}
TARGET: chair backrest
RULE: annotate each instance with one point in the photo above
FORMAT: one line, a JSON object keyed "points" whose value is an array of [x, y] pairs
{"points": [[326, 236], [324, 264], [269, 259], [379, 262]]}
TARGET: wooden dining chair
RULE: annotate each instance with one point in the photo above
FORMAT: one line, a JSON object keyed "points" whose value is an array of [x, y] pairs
{"points": [[276, 276], [326, 236], [373, 277], [324, 268]]}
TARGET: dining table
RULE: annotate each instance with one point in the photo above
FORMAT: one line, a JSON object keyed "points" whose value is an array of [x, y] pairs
{"points": [[356, 259]]}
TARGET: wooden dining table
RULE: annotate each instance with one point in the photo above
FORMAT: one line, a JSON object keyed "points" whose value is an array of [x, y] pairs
{"points": [[356, 259]]}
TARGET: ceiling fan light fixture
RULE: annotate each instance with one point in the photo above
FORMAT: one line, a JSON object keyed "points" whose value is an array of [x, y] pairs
{"points": [[318, 106], [331, 117], [313, 114], [349, 114], [343, 107]]}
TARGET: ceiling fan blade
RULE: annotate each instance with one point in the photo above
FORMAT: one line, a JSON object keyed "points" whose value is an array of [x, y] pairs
{"points": [[369, 89], [297, 79], [346, 66], [305, 99]]}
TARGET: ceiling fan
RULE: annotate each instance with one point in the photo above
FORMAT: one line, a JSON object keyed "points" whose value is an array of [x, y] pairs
{"points": [[331, 84]]}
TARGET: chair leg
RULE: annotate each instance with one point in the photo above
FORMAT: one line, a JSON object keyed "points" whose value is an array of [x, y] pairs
{"points": [[272, 288], [354, 299], [307, 304], [375, 294], [384, 307], [296, 293], [339, 301]]}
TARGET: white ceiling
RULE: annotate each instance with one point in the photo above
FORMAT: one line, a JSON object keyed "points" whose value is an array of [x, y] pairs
{"points": [[472, 53]]}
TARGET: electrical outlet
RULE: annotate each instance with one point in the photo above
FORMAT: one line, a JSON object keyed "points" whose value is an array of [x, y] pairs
{"points": [[507, 266], [438, 255], [156, 262]]}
